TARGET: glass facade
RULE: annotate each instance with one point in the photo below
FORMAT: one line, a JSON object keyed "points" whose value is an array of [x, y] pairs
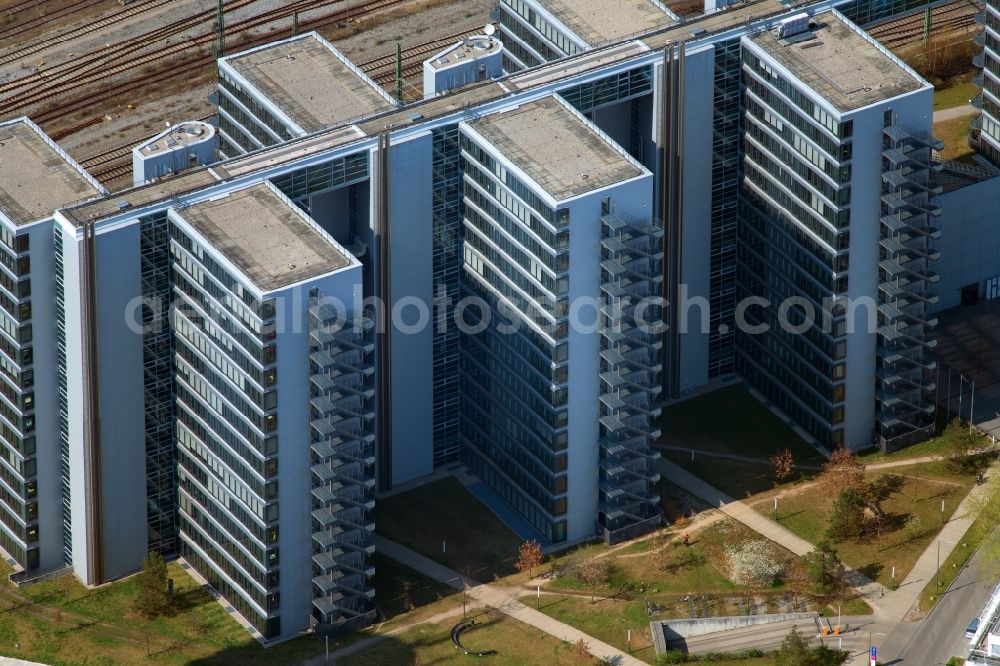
{"points": [[226, 423], [725, 210], [514, 386], [792, 248], [447, 267], [158, 386], [19, 530]]}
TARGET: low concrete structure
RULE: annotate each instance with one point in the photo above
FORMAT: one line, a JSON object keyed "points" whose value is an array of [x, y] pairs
{"points": [[667, 631]]}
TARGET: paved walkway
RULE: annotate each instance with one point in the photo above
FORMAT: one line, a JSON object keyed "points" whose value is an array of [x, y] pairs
{"points": [[897, 604], [955, 112], [766, 527], [503, 600]]}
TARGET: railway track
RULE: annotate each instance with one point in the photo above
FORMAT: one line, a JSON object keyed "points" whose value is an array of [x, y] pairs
{"points": [[44, 19], [384, 69], [97, 69], [946, 18], [37, 46]]}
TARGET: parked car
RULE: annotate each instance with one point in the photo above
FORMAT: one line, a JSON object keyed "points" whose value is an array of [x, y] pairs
{"points": [[973, 627]]}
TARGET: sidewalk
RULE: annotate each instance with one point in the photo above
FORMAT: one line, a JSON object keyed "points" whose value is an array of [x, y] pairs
{"points": [[897, 604], [502, 600], [766, 527], [956, 112]]}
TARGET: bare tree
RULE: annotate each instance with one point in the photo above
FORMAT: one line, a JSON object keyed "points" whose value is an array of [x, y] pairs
{"points": [[843, 470], [592, 573], [529, 557], [660, 556], [582, 649], [783, 465]]}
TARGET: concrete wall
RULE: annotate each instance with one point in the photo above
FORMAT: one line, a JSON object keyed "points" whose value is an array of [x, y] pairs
{"points": [[696, 264], [412, 281], [635, 199], [123, 451], [675, 629], [294, 477], [970, 241]]}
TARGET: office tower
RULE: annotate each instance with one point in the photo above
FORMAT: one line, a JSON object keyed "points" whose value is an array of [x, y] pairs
{"points": [[36, 178], [538, 31], [569, 396], [835, 218], [288, 89], [274, 500]]}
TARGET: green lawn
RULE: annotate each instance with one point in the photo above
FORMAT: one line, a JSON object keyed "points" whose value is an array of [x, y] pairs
{"points": [[954, 134], [516, 644], [922, 489], [399, 589], [940, 445], [606, 620], [730, 420], [476, 541], [957, 91], [62, 622]]}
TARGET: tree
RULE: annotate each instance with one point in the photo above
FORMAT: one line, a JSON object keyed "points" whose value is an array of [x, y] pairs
{"points": [[660, 556], [783, 465], [753, 565], [794, 650], [842, 471], [823, 564], [848, 518], [529, 557], [592, 573], [582, 650], [152, 599], [961, 443]]}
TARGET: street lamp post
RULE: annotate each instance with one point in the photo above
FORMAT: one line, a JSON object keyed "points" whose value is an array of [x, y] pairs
{"points": [[870, 634], [972, 404], [938, 586]]}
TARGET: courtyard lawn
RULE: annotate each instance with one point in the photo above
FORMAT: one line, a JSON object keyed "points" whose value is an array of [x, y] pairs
{"points": [[477, 542], [956, 91], [913, 512], [516, 644], [399, 589], [62, 622], [731, 420], [939, 445]]}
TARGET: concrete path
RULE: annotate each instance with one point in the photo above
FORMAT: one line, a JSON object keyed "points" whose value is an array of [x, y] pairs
{"points": [[955, 112], [897, 604], [503, 600], [338, 655], [766, 527]]}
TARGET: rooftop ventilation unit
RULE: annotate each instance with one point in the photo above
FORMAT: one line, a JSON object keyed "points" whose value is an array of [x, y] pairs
{"points": [[793, 25]]}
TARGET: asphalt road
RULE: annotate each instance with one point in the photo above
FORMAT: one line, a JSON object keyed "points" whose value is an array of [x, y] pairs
{"points": [[941, 634]]}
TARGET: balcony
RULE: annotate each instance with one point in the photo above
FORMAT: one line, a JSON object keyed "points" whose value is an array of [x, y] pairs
{"points": [[343, 464], [631, 272], [905, 386]]}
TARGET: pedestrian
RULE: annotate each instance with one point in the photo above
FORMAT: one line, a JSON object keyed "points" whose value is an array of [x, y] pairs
{"points": [[687, 540]]}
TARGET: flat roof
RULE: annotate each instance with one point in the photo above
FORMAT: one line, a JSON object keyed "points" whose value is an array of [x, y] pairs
{"points": [[181, 184], [271, 242], [600, 21], [470, 48], [35, 178], [311, 82], [555, 148], [838, 63]]}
